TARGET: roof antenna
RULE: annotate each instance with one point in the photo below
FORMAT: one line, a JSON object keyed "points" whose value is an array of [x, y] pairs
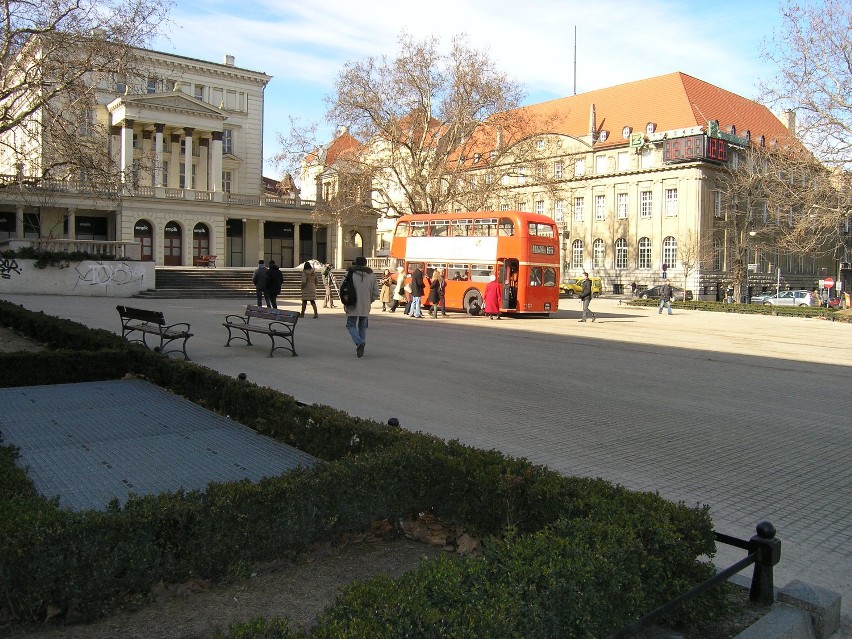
{"points": [[575, 59]]}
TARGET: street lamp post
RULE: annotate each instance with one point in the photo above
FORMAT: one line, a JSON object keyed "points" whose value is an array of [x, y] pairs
{"points": [[751, 234]]}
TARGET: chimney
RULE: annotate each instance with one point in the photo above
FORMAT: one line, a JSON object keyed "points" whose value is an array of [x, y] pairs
{"points": [[229, 60], [593, 125], [788, 119]]}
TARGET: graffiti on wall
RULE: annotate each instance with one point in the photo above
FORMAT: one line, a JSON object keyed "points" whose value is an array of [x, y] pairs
{"points": [[106, 274], [7, 267]]}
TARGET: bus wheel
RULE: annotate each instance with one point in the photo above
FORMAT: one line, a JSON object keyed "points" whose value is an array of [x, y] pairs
{"points": [[473, 303]]}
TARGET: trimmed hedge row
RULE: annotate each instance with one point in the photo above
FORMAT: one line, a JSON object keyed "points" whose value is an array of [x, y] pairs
{"points": [[576, 551], [752, 309]]}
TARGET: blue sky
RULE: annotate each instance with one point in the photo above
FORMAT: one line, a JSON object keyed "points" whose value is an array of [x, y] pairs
{"points": [[303, 45]]}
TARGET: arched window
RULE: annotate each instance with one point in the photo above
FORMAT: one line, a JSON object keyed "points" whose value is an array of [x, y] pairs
{"points": [[577, 254], [644, 252], [670, 251], [598, 253], [621, 253]]}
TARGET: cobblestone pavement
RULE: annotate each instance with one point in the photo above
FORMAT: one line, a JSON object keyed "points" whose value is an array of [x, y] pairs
{"points": [[746, 413]]}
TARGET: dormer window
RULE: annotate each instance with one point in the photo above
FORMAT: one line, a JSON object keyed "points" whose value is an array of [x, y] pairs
{"points": [[603, 135], [625, 132], [650, 127]]}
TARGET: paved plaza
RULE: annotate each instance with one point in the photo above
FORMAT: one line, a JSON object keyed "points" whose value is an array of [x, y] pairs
{"points": [[749, 414]]}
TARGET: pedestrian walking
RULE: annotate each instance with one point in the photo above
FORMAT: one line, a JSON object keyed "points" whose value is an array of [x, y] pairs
{"points": [[274, 282], [367, 292], [586, 297], [666, 297], [417, 288], [493, 298], [633, 287], [328, 282], [309, 289], [259, 281], [385, 286], [398, 289]]}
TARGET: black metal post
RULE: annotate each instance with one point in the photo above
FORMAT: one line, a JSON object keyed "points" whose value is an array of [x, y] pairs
{"points": [[768, 551]]}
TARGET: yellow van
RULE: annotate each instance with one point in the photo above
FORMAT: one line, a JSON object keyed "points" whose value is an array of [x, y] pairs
{"points": [[575, 287]]}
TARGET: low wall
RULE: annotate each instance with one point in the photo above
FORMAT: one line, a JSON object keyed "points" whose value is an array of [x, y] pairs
{"points": [[89, 278]]}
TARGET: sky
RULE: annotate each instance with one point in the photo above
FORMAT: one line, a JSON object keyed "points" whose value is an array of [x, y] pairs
{"points": [[304, 44]]}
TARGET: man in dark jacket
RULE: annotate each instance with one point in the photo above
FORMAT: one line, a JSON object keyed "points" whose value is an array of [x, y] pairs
{"points": [[259, 281], [586, 297], [666, 297], [274, 282], [417, 288]]}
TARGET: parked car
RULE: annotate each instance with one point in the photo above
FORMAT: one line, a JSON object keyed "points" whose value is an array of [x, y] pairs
{"points": [[788, 298], [575, 287], [653, 293], [760, 298]]}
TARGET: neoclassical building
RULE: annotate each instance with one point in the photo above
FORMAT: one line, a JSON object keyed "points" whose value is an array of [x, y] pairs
{"points": [[186, 144]]}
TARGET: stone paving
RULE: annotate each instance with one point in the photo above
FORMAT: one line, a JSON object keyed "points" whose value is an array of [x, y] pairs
{"points": [[748, 414]]}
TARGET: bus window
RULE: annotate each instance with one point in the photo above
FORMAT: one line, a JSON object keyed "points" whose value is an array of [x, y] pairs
{"points": [[418, 229], [457, 272], [401, 230], [430, 269], [506, 228], [439, 228], [485, 227], [462, 228], [480, 272], [413, 265], [550, 276], [541, 230], [535, 276]]}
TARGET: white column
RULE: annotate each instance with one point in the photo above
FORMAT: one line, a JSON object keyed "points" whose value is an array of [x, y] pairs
{"points": [[127, 152], [261, 246], [158, 154], [19, 222], [203, 161], [216, 162], [72, 224], [297, 236], [187, 159]]}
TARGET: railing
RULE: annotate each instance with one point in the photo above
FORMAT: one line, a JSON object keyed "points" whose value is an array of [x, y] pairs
{"points": [[121, 250], [764, 551], [36, 184]]}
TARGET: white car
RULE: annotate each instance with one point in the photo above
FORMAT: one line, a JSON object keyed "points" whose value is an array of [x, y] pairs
{"points": [[788, 298]]}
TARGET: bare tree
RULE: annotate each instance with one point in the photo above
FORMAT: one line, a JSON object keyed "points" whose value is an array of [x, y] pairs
{"points": [[54, 56], [812, 55], [692, 248], [415, 115]]}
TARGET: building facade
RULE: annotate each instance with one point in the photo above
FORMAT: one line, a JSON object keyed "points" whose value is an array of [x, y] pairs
{"points": [[184, 144]]}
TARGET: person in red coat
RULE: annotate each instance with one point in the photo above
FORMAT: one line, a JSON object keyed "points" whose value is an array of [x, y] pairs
{"points": [[493, 298]]}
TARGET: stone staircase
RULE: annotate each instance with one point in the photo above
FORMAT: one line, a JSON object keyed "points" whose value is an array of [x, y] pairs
{"points": [[221, 283]]}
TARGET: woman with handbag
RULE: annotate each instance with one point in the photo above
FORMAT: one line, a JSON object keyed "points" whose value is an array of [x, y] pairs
{"points": [[385, 285], [436, 293], [398, 292]]}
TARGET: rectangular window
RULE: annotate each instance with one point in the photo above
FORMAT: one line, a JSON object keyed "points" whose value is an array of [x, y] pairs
{"points": [[231, 100], [152, 85], [621, 253], [165, 173], [671, 202], [557, 170], [621, 206], [600, 207], [623, 161], [580, 166], [647, 158], [226, 181], [87, 123], [717, 204], [217, 97], [228, 141], [646, 202], [559, 210], [644, 253], [539, 207], [578, 209], [199, 92], [601, 164]]}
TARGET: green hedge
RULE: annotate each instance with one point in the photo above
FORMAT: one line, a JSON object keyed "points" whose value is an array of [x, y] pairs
{"points": [[830, 314], [574, 551]]}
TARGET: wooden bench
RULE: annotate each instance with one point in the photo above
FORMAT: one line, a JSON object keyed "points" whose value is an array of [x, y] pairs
{"points": [[205, 260], [137, 320], [282, 324]]}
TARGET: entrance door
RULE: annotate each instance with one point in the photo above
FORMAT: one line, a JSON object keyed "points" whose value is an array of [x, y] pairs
{"points": [[144, 234], [172, 244], [200, 241], [509, 279]]}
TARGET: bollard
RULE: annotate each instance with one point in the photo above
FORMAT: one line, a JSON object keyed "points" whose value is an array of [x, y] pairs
{"points": [[393, 422], [768, 551], [242, 376]]}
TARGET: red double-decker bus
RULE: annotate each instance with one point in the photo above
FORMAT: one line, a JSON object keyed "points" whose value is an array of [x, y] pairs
{"points": [[521, 249]]}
